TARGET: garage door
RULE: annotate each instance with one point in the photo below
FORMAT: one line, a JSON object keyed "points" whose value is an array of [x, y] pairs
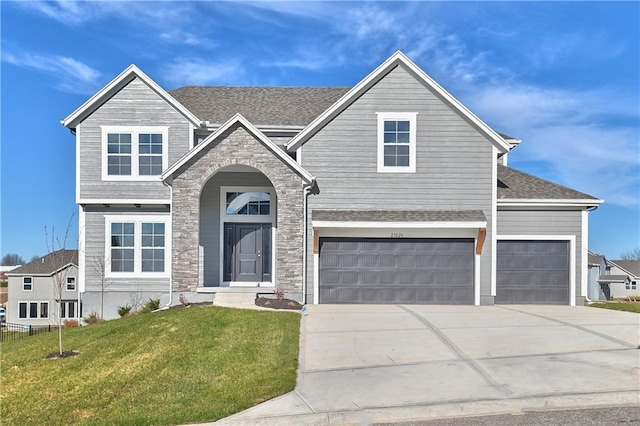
{"points": [[533, 272], [389, 270]]}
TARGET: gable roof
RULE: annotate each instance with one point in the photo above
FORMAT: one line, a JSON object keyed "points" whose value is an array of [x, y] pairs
{"points": [[278, 152], [114, 86], [630, 266], [49, 264], [595, 258], [514, 185], [398, 59], [277, 106]]}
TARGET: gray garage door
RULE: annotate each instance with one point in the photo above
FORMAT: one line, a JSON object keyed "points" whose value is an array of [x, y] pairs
{"points": [[533, 272], [389, 270]]}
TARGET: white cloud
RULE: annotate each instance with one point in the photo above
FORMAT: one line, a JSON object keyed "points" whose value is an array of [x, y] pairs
{"points": [[70, 75], [200, 72]]}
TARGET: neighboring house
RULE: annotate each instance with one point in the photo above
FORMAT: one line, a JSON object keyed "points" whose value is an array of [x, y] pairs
{"points": [[622, 278], [3, 278], [33, 298], [388, 192], [597, 267]]}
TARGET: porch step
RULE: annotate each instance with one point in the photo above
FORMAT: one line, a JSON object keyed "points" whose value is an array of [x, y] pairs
{"points": [[236, 300]]}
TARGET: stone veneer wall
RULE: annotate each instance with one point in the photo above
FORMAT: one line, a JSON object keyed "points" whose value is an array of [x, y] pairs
{"points": [[236, 146]]}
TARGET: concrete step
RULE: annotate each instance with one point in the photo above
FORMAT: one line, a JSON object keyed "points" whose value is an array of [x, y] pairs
{"points": [[236, 300]]}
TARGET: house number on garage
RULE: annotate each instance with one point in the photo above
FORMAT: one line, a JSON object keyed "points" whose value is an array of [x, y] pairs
{"points": [[397, 235]]}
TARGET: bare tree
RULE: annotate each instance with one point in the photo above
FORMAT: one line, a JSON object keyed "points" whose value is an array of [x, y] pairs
{"points": [[633, 254], [12, 259], [99, 265], [34, 258], [60, 258]]}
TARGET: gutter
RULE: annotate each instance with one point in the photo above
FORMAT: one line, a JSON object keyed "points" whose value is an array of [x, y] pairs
{"points": [[168, 305], [306, 191]]}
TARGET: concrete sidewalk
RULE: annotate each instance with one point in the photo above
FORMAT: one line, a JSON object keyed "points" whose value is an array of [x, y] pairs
{"points": [[362, 364]]}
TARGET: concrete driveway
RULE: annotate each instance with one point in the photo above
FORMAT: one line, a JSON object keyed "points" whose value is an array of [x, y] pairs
{"points": [[362, 364]]}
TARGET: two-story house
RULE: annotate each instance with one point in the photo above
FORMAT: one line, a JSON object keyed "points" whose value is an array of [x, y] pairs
{"points": [[44, 290], [391, 191]]}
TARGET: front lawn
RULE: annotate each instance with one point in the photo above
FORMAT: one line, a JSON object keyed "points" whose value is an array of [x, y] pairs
{"points": [[618, 306], [172, 367]]}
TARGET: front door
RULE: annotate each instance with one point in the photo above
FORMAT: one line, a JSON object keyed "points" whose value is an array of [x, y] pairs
{"points": [[247, 252]]}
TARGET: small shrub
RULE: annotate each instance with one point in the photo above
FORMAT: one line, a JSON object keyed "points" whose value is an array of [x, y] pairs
{"points": [[4, 283], [124, 311], [280, 293], [92, 318], [150, 306], [70, 323]]}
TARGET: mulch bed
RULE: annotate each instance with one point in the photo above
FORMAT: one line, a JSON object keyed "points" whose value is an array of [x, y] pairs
{"points": [[64, 354], [278, 303]]}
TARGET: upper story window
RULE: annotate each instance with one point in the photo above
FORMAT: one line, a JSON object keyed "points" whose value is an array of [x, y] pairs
{"points": [[27, 283], [397, 142], [137, 246], [71, 283], [134, 153]]}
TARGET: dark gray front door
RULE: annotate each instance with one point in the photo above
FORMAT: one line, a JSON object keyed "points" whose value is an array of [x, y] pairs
{"points": [[389, 270], [247, 252], [532, 272]]}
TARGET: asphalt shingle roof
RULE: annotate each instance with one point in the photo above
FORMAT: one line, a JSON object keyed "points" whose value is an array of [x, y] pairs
{"points": [[399, 215], [595, 259], [277, 106], [47, 265], [632, 266], [513, 183]]}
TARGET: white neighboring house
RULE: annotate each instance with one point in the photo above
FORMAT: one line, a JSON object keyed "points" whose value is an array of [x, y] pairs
{"points": [[32, 296], [598, 267], [621, 279]]}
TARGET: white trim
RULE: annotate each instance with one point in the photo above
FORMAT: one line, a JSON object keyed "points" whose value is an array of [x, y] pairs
{"points": [[572, 255], [403, 225], [117, 84], [137, 220], [358, 90], [316, 278], [533, 202], [81, 250], [476, 275], [192, 139], [31, 278], [238, 118], [411, 117], [38, 303], [134, 131], [584, 258], [77, 165], [224, 218], [125, 201], [494, 219], [75, 283]]}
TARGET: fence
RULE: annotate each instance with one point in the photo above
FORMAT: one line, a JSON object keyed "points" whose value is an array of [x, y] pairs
{"points": [[9, 331]]}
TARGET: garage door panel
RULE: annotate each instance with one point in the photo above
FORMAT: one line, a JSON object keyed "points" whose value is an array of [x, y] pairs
{"points": [[532, 272], [396, 270]]}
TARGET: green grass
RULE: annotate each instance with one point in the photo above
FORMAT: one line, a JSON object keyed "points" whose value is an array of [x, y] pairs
{"points": [[618, 306], [177, 366]]}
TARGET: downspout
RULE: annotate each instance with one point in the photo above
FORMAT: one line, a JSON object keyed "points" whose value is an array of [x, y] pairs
{"points": [[168, 305], [306, 191]]}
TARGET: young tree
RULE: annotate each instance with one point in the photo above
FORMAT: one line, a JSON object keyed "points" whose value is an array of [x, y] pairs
{"points": [[633, 254], [60, 258], [34, 258], [12, 259], [100, 268]]}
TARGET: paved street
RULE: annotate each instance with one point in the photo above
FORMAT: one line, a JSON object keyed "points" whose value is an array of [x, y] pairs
{"points": [[388, 363]]}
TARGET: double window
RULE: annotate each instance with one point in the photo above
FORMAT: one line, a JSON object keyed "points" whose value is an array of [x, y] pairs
{"points": [[71, 283], [397, 142], [138, 244], [68, 309], [27, 283], [33, 310], [632, 285], [134, 153]]}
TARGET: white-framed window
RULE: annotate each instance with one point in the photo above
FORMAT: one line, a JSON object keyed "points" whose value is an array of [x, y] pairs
{"points": [[33, 310], [27, 283], [138, 245], [632, 285], [71, 283], [247, 204], [134, 153], [397, 142], [68, 309]]}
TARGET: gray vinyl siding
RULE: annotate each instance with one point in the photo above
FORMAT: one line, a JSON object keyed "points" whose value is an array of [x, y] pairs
{"points": [[537, 222], [95, 247], [209, 263], [453, 160], [43, 291], [135, 105]]}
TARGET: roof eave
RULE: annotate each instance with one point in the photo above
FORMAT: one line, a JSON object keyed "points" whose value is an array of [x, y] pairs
{"points": [[167, 176], [395, 59], [115, 85], [566, 202]]}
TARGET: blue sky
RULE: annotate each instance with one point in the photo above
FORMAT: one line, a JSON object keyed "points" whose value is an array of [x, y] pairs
{"points": [[563, 77]]}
